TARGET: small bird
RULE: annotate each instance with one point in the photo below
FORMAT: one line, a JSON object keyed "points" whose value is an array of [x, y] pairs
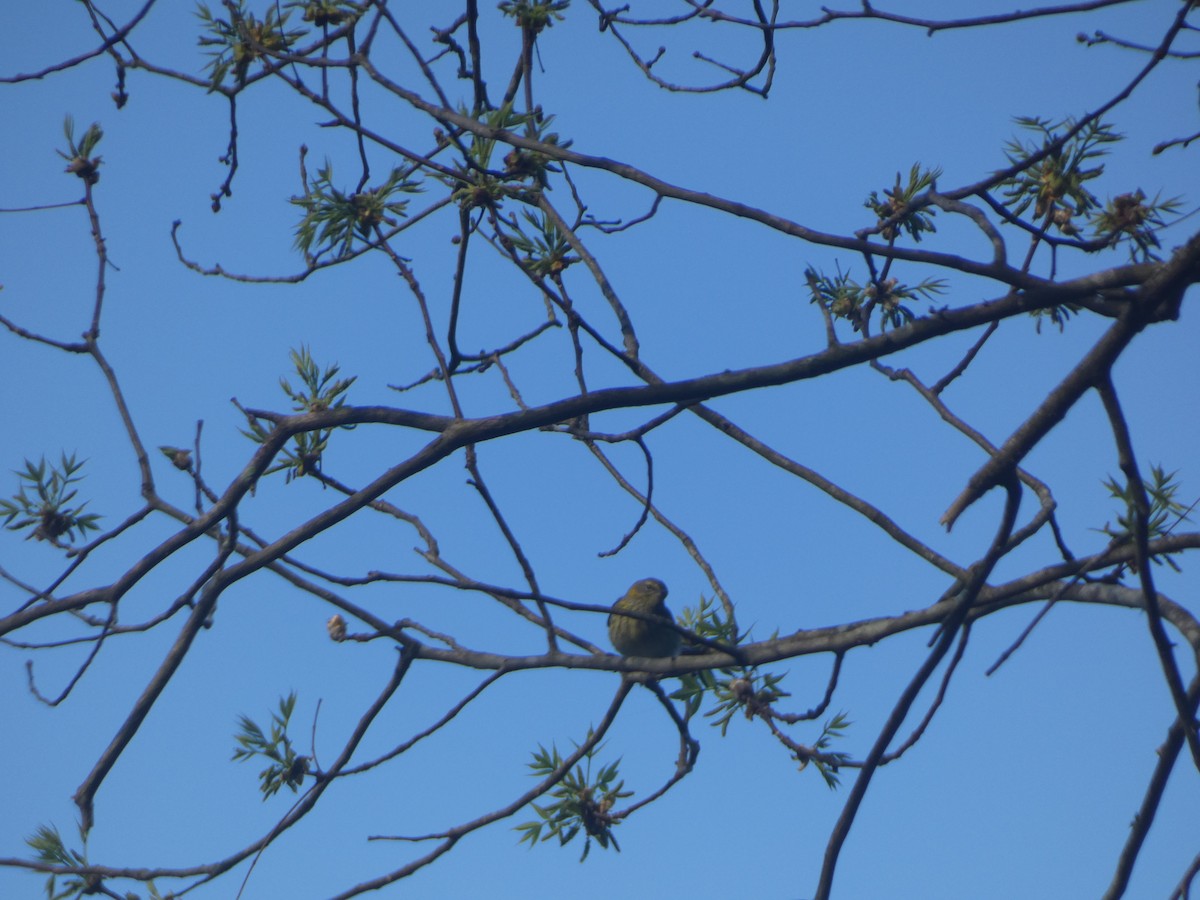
{"points": [[641, 637]]}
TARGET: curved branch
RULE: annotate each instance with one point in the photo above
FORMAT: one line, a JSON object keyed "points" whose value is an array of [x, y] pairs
{"points": [[955, 618]]}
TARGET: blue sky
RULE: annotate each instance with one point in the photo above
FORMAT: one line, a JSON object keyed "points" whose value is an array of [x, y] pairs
{"points": [[1027, 780]]}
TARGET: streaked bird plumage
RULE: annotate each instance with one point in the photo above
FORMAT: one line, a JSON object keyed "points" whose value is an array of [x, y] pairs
{"points": [[641, 637]]}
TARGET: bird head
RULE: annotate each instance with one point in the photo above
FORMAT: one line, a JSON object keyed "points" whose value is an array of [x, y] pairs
{"points": [[650, 587]]}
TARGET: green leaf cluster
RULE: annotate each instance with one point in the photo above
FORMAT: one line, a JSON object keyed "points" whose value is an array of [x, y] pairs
{"points": [[738, 689], [546, 252], [708, 621], [846, 299], [1056, 184], [242, 39], [48, 847], [1058, 314], [746, 690], [319, 390], [895, 208], [827, 763], [477, 185], [80, 161], [534, 16], [47, 511], [286, 768], [1164, 514], [1057, 187], [733, 688], [581, 802], [333, 219], [1128, 217], [324, 13]]}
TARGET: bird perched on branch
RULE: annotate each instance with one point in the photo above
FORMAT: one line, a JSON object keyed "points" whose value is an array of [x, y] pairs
{"points": [[642, 637]]}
